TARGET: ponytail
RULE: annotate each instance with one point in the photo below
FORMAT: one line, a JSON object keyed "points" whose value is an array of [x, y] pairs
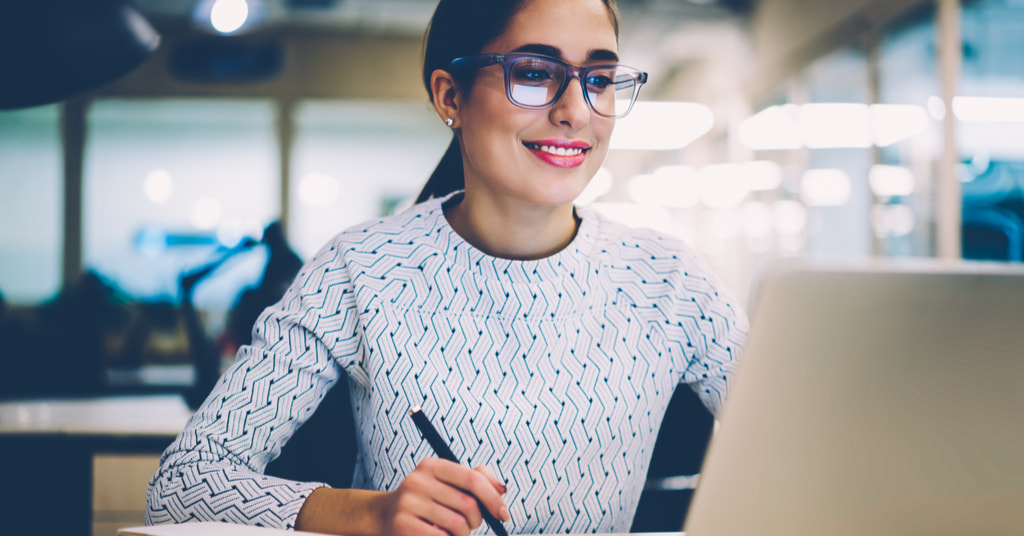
{"points": [[448, 176]]}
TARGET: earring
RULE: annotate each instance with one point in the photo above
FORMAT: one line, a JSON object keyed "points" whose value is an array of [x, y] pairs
{"points": [[449, 122]]}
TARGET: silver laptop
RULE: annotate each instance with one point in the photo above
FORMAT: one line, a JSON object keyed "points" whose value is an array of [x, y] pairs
{"points": [[877, 400]]}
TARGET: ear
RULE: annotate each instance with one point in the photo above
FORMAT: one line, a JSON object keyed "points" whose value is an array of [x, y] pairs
{"points": [[446, 96]]}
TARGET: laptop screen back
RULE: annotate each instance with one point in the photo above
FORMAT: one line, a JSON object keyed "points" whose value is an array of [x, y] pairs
{"points": [[878, 400]]}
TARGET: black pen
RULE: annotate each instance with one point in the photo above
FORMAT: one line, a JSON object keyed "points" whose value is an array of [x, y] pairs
{"points": [[441, 448]]}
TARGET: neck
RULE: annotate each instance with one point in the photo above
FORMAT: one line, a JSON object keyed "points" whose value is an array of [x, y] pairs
{"points": [[518, 232]]}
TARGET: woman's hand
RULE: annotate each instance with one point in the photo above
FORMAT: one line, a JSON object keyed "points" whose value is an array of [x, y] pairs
{"points": [[439, 498]]}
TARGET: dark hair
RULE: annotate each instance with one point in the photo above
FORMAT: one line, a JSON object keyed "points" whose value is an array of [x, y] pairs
{"points": [[463, 28]]}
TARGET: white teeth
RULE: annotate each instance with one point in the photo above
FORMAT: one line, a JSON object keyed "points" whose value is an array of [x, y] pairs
{"points": [[561, 151]]}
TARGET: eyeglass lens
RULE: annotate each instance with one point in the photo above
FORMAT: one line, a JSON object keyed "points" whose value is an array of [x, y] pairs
{"points": [[535, 82]]}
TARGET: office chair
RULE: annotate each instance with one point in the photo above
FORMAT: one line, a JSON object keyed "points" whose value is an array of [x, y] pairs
{"points": [[324, 448], [675, 464]]}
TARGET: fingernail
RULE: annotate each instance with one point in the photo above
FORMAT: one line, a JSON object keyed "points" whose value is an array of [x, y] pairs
{"points": [[503, 488], [505, 516]]}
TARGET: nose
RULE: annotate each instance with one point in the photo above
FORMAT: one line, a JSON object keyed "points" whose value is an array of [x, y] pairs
{"points": [[571, 109]]}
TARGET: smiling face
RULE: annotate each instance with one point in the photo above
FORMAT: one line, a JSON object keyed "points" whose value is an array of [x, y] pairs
{"points": [[544, 158]]}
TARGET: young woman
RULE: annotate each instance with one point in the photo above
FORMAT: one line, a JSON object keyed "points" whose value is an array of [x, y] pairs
{"points": [[544, 341]]}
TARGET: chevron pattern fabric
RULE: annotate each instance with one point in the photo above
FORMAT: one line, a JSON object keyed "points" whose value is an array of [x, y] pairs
{"points": [[555, 373]]}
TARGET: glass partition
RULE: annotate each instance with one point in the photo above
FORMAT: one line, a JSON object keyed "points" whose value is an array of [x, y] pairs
{"points": [[838, 136], [176, 195], [31, 193], [171, 185], [903, 178], [356, 160]]}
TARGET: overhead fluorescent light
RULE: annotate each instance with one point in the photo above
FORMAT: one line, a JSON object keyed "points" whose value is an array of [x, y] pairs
{"points": [[994, 109], [835, 125], [891, 123], [661, 126], [831, 126], [774, 128]]}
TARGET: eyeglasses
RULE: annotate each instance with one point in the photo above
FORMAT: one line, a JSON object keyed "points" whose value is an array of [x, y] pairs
{"points": [[534, 81]]}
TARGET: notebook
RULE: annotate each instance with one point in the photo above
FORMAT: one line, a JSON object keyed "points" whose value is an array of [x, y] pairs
{"points": [[870, 400], [208, 528]]}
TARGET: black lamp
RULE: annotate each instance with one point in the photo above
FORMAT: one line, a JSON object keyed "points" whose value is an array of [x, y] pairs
{"points": [[54, 49]]}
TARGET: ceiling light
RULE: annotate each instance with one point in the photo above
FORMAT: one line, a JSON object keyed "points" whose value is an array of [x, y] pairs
{"points": [[229, 17], [774, 128], [662, 126], [835, 125], [993, 109], [891, 123], [825, 125]]}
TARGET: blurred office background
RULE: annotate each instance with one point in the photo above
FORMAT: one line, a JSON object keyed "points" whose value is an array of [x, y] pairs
{"points": [[826, 129], [770, 129]]}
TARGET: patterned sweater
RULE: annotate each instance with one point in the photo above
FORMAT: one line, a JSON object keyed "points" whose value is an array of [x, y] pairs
{"points": [[555, 373]]}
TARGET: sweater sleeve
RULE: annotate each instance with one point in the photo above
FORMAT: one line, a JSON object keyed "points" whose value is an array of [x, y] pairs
{"points": [[714, 328], [213, 471]]}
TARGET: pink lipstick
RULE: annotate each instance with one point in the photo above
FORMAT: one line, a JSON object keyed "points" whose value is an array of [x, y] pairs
{"points": [[560, 153]]}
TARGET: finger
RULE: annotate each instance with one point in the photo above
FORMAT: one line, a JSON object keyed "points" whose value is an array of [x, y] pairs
{"points": [[417, 512], [502, 514], [461, 502], [497, 482], [436, 501], [476, 484]]}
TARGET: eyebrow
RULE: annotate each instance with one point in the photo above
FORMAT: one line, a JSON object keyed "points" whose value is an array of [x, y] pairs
{"points": [[548, 50]]}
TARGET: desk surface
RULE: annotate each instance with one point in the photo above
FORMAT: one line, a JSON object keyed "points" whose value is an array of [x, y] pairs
{"points": [[159, 415], [227, 529]]}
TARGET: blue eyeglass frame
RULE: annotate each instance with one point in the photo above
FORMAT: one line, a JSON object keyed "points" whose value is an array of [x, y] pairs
{"points": [[637, 77]]}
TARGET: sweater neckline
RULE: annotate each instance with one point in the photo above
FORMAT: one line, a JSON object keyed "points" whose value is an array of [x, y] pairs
{"points": [[567, 262]]}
